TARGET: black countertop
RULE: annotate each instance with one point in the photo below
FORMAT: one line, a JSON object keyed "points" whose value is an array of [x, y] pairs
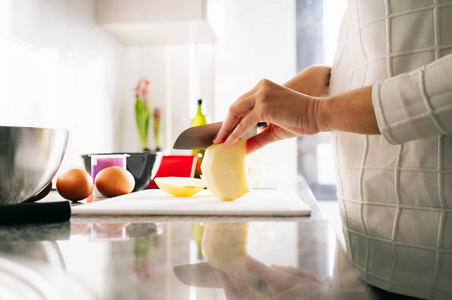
{"points": [[160, 257]]}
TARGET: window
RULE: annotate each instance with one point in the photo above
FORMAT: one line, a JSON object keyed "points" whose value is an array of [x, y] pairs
{"points": [[317, 30]]}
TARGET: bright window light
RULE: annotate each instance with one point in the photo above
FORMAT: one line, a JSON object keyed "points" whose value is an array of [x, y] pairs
{"points": [[325, 164], [333, 11]]}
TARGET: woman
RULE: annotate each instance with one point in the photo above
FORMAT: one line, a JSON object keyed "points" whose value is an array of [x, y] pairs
{"points": [[387, 101]]}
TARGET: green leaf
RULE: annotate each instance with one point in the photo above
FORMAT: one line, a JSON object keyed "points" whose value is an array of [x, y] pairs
{"points": [[142, 114]]}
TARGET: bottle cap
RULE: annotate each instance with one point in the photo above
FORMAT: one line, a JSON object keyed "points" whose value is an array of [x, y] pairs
{"points": [[199, 101]]}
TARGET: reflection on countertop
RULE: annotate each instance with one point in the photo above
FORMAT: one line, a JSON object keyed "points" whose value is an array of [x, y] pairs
{"points": [[191, 260], [184, 257], [242, 276]]}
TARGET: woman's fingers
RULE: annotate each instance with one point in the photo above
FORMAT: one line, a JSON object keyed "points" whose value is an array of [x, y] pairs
{"points": [[237, 111], [261, 270], [297, 272], [229, 288], [236, 287], [291, 113], [227, 127], [261, 139], [272, 133], [246, 123], [287, 269], [277, 281], [246, 291]]}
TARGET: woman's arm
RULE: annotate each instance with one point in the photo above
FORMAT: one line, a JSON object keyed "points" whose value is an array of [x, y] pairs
{"points": [[417, 104], [290, 113], [403, 108], [351, 111], [313, 81]]}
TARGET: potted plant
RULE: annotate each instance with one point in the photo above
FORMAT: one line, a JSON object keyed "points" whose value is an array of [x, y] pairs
{"points": [[143, 111]]}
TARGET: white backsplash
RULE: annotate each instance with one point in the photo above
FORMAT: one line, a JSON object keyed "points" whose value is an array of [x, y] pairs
{"points": [[260, 43], [60, 69]]}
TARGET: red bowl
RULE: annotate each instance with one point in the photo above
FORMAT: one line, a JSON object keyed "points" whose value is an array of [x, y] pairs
{"points": [[175, 166]]}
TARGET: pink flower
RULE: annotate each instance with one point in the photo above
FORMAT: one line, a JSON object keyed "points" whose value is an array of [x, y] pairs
{"points": [[157, 114], [142, 90], [138, 89]]}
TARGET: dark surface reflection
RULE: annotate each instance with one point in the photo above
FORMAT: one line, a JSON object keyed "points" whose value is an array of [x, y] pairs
{"points": [[242, 276], [35, 232], [191, 260]]}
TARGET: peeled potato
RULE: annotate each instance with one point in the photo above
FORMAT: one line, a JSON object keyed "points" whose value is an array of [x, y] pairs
{"points": [[180, 186], [225, 171], [225, 245]]}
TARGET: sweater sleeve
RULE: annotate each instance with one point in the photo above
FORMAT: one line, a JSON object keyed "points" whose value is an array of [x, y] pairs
{"points": [[417, 104]]}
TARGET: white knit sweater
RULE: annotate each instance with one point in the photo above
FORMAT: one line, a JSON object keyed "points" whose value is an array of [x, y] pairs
{"points": [[395, 190]]}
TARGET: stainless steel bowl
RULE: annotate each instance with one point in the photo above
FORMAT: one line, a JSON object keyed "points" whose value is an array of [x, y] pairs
{"points": [[29, 159]]}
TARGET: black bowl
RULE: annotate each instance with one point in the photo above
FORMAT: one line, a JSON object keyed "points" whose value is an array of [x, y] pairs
{"points": [[142, 165]]}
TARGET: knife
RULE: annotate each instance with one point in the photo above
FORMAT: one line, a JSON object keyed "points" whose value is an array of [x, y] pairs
{"points": [[59, 211], [199, 275], [200, 137]]}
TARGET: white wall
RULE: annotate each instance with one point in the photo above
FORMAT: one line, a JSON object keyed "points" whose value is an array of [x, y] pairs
{"points": [[260, 42], [180, 75], [59, 69]]}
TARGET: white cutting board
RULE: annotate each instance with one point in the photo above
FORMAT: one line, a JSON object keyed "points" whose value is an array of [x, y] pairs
{"points": [[262, 202]]}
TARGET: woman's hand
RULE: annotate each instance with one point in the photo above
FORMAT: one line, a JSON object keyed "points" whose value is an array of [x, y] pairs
{"points": [[290, 113], [266, 102], [287, 112], [283, 282], [301, 106]]}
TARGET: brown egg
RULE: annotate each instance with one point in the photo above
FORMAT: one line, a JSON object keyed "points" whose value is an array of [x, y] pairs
{"points": [[79, 228], [114, 181], [74, 184]]}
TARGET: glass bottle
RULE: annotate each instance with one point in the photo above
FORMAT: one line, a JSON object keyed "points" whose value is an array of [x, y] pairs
{"points": [[199, 119]]}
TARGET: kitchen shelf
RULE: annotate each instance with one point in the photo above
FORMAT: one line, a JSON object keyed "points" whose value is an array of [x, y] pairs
{"points": [[152, 22]]}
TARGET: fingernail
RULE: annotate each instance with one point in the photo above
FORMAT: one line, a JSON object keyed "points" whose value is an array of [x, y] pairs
{"points": [[224, 140], [215, 137]]}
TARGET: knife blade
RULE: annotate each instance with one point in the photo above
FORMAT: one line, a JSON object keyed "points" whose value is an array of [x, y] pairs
{"points": [[199, 275], [200, 137]]}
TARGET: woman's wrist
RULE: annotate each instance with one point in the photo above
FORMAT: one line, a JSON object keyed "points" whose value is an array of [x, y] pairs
{"points": [[323, 113], [352, 111]]}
